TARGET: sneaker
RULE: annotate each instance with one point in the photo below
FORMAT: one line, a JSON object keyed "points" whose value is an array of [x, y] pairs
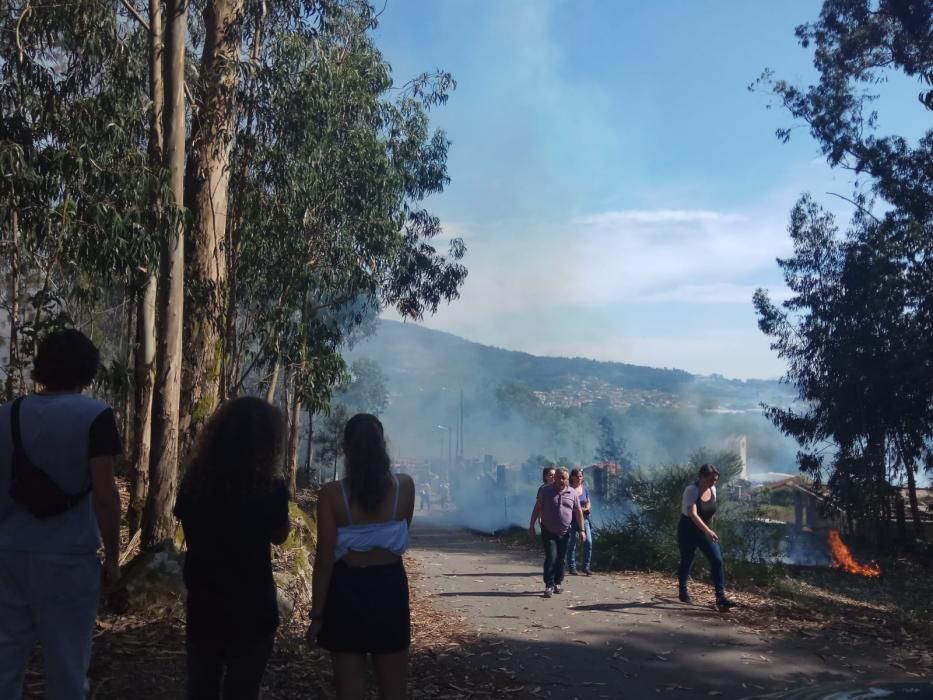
{"points": [[684, 597], [573, 572], [548, 591], [587, 572], [558, 589], [724, 603]]}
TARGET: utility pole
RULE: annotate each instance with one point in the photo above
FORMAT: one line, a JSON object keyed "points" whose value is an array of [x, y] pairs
{"points": [[449, 448]]}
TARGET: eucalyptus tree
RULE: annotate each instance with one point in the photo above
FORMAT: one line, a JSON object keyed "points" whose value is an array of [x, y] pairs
{"points": [[74, 179], [326, 225], [857, 332]]}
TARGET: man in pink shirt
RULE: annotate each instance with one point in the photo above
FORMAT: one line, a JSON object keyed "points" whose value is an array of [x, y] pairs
{"points": [[557, 505]]}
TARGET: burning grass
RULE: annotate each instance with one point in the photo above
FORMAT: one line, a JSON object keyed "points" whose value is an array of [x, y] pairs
{"points": [[843, 559]]}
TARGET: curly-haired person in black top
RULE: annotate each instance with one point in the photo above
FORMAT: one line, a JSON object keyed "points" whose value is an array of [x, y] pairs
{"points": [[232, 504]]}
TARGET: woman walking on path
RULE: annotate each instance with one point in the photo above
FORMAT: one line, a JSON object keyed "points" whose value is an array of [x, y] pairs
{"points": [[558, 506], [586, 505], [232, 503], [359, 600], [698, 506]]}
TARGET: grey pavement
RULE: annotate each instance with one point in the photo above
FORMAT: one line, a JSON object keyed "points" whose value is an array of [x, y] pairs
{"points": [[610, 635]]}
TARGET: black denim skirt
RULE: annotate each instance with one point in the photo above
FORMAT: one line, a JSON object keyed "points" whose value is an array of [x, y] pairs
{"points": [[367, 610]]}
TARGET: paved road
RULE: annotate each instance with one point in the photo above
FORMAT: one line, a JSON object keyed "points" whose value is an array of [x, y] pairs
{"points": [[609, 635]]}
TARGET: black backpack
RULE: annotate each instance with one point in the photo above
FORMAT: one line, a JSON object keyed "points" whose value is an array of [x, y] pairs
{"points": [[31, 487]]}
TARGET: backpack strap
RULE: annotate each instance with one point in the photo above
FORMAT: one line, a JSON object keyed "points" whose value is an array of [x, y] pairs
{"points": [[395, 506]]}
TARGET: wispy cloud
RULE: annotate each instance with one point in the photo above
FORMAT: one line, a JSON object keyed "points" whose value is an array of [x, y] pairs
{"points": [[627, 256], [570, 287], [657, 216]]}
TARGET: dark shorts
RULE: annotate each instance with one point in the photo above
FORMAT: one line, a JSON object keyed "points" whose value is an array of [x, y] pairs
{"points": [[367, 610]]}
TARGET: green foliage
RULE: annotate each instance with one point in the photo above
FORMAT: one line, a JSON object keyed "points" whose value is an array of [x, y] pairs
{"points": [[854, 346], [645, 536], [75, 184], [329, 438], [857, 45], [856, 332], [611, 445], [366, 392], [728, 462], [328, 177]]}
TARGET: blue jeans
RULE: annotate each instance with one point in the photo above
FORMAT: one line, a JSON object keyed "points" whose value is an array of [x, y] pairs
{"points": [[51, 598], [587, 546], [690, 538], [555, 553]]}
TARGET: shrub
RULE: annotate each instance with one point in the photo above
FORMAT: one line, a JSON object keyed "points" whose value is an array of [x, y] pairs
{"points": [[645, 536]]}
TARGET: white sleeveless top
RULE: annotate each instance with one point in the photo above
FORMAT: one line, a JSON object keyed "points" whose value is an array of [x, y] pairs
{"points": [[391, 535]]}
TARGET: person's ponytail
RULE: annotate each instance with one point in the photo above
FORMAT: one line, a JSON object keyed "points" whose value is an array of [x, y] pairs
{"points": [[367, 461]]}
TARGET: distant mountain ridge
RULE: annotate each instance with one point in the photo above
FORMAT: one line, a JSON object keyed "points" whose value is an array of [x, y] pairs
{"points": [[516, 404], [409, 350]]}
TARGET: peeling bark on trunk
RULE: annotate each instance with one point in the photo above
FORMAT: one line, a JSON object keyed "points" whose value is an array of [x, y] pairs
{"points": [[158, 523], [208, 180]]}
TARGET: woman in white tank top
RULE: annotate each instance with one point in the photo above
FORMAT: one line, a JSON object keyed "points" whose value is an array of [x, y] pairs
{"points": [[360, 604]]}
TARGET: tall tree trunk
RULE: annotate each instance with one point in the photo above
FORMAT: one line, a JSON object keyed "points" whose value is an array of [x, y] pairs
{"points": [[145, 379], [900, 519], [914, 504], [294, 423], [229, 366], [230, 360], [146, 311], [207, 196], [158, 524], [274, 379], [309, 455], [13, 387], [129, 342]]}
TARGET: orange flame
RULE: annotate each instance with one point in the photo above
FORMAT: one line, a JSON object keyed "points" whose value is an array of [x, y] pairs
{"points": [[843, 559]]}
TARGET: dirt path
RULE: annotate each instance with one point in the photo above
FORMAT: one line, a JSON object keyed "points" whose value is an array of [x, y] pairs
{"points": [[616, 635]]}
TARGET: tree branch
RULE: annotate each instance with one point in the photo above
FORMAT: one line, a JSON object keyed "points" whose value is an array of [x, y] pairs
{"points": [[856, 205], [133, 11], [22, 15]]}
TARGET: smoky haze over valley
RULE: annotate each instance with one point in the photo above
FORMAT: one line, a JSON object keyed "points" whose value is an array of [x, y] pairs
{"points": [[518, 405]]}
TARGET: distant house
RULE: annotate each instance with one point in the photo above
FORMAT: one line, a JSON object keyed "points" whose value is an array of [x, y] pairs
{"points": [[604, 479], [924, 501], [796, 502]]}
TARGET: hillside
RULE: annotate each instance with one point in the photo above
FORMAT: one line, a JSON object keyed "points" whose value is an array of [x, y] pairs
{"points": [[427, 369]]}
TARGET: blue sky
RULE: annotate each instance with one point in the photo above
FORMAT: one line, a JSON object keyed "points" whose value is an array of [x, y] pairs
{"points": [[620, 192]]}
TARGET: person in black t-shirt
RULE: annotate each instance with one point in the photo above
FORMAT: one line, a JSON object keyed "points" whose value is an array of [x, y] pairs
{"points": [[232, 503]]}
